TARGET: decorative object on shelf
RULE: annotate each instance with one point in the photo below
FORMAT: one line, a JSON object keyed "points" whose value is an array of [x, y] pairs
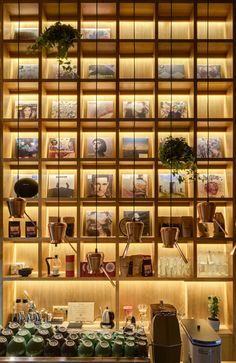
{"points": [[141, 147], [134, 185], [28, 71], [100, 185], [175, 153], [54, 269], [170, 236], [212, 71], [59, 36], [25, 271], [57, 232], [28, 147], [133, 230], [64, 145], [26, 110], [173, 109], [136, 109], [70, 265], [103, 71], [165, 71], [30, 229], [215, 147], [213, 307], [92, 33], [100, 147], [14, 229], [107, 319]]}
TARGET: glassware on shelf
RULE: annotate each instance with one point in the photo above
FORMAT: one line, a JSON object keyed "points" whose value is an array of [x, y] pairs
{"points": [[142, 308], [174, 267], [212, 264]]}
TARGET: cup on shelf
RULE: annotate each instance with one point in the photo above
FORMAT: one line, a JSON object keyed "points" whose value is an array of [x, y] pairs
{"points": [[35, 347], [16, 347]]}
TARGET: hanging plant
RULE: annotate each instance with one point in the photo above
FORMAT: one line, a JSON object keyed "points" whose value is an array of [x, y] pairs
{"points": [[178, 156], [59, 36]]}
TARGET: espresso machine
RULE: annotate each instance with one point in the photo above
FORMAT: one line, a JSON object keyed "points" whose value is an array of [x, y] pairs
{"points": [[165, 334]]}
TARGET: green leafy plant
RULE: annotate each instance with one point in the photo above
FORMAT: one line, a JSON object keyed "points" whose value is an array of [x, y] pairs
{"points": [[177, 155], [213, 306], [59, 36]]}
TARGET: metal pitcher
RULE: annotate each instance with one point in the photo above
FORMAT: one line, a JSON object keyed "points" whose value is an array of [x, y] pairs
{"points": [[57, 232], [16, 207]]}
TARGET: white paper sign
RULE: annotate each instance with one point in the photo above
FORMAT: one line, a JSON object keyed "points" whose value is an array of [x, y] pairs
{"points": [[81, 311]]}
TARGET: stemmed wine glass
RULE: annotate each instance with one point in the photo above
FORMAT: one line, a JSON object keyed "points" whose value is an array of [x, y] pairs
{"points": [[142, 308]]}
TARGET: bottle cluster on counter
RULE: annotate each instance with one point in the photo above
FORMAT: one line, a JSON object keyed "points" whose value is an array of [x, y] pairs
{"points": [[46, 340]]}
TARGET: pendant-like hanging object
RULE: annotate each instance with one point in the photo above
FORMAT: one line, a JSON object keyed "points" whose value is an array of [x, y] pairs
{"points": [[57, 232], [16, 207]]}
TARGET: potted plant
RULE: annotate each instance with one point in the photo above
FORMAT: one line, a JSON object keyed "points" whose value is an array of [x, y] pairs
{"points": [[177, 155], [59, 36], [213, 307]]}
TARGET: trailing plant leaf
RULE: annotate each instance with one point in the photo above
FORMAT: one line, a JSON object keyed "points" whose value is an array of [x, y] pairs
{"points": [[177, 155], [59, 36], [213, 306]]}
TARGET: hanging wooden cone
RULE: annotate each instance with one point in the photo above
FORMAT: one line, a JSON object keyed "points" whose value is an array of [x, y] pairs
{"points": [[169, 236], [134, 231], [206, 211], [57, 232], [16, 207]]}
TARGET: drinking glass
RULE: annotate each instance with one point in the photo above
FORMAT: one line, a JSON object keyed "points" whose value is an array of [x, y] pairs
{"points": [[142, 308]]}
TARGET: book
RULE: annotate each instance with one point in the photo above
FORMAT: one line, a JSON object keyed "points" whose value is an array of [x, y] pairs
{"points": [[169, 185], [101, 109], [137, 109], [26, 147], [26, 110], [212, 185], [15, 178], [208, 71], [26, 33], [173, 110], [65, 184], [214, 144], [101, 71], [102, 147], [64, 109], [99, 185], [93, 33], [164, 71], [134, 186], [65, 147], [139, 215], [63, 74], [137, 147], [28, 71], [98, 224]]}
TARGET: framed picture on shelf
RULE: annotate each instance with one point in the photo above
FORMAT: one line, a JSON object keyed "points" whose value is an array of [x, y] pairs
{"points": [[65, 147], [173, 110], [134, 186], [212, 146], [65, 184], [103, 109], [140, 215], [164, 71], [23, 176], [101, 71], [99, 185], [63, 73], [212, 185], [137, 147], [169, 185], [27, 147], [98, 224], [137, 109], [26, 33], [214, 71], [102, 147], [93, 33], [26, 110], [65, 109], [28, 71]]}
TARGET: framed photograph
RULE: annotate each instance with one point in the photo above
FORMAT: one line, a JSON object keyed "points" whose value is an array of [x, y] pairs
{"points": [[137, 109], [164, 71], [169, 184], [143, 216], [92, 33], [137, 147], [22, 176], [212, 185], [102, 147], [27, 147], [214, 71], [65, 184], [134, 186], [98, 224], [214, 144], [103, 109], [30, 229], [177, 110], [99, 185], [63, 73], [26, 33], [26, 110], [101, 71], [28, 71], [65, 147], [65, 109]]}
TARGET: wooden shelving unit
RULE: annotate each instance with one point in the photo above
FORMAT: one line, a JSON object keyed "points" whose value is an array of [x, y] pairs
{"points": [[137, 56]]}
